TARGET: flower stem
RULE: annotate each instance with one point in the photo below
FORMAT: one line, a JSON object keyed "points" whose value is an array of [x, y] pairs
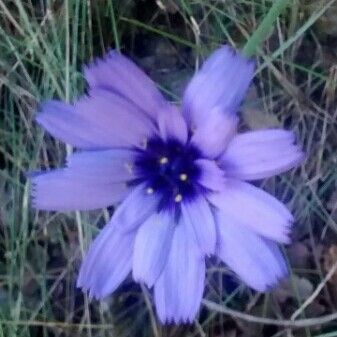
{"points": [[264, 28]]}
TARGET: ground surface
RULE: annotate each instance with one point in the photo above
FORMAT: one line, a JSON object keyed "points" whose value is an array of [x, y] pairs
{"points": [[42, 47]]}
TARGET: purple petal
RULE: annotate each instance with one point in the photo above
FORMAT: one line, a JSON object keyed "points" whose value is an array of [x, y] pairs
{"points": [[93, 179], [59, 119], [261, 154], [253, 208], [119, 74], [111, 166], [135, 209], [69, 189], [221, 82], [172, 124], [199, 221], [212, 177], [101, 121], [179, 289], [107, 262], [257, 261], [152, 246], [215, 132]]}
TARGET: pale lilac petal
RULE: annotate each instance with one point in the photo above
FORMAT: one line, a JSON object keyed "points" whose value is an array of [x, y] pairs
{"points": [[215, 132], [117, 73], [212, 177], [258, 262], [107, 262], [110, 166], [253, 208], [275, 249], [179, 289], [221, 82], [135, 209], [261, 154], [152, 246], [100, 121], [198, 219], [59, 119], [120, 121], [68, 190], [172, 124], [92, 179]]}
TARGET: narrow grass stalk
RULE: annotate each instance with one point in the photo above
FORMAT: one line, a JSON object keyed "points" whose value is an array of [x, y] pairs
{"points": [[264, 28]]}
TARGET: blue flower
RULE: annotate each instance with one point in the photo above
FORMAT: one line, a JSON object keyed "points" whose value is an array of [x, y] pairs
{"points": [[179, 175]]}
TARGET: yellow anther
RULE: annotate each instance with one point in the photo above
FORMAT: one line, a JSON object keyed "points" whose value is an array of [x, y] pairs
{"points": [[183, 177], [149, 190], [178, 198], [163, 160]]}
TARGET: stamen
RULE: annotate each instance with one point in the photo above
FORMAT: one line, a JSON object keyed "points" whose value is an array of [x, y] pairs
{"points": [[163, 160], [149, 190], [183, 176], [129, 167], [178, 198], [168, 170], [144, 143]]}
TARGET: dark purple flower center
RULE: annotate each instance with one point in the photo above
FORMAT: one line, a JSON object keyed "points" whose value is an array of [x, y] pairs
{"points": [[168, 169]]}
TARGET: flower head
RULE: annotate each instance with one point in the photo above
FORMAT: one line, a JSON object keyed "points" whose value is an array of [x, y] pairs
{"points": [[179, 175]]}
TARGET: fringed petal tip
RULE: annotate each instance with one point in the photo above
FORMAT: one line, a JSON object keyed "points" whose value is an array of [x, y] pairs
{"points": [[275, 283], [84, 286], [176, 320], [261, 154], [285, 236], [286, 239], [222, 81], [269, 285], [34, 191], [33, 196], [67, 190], [50, 106], [263, 213], [226, 53], [34, 200], [107, 262], [40, 115], [87, 69], [117, 73], [59, 120], [284, 272], [179, 289], [255, 259], [236, 53], [92, 295], [302, 156], [32, 174], [101, 120], [168, 317]]}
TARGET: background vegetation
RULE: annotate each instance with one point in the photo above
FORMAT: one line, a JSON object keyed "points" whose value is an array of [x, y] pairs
{"points": [[43, 44]]}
